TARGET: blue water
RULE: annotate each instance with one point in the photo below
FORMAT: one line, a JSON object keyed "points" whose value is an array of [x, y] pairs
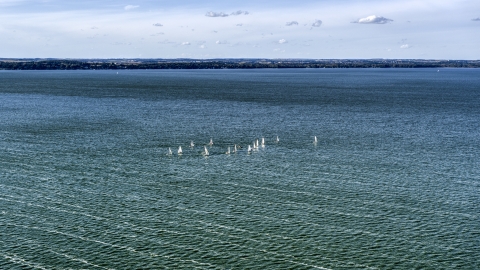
{"points": [[392, 183]]}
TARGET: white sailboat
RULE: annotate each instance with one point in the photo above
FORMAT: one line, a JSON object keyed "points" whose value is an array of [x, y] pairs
{"points": [[249, 149], [211, 142], [228, 151], [315, 140], [277, 140], [180, 150], [235, 148], [205, 153], [169, 153], [192, 144], [263, 142]]}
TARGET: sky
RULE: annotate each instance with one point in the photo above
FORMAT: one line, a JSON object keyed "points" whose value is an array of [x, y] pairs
{"points": [[320, 29]]}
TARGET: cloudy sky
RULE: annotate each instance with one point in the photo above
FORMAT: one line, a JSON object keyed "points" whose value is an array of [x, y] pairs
{"points": [[325, 29]]}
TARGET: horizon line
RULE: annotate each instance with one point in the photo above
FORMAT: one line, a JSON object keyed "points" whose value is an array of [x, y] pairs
{"points": [[226, 58]]}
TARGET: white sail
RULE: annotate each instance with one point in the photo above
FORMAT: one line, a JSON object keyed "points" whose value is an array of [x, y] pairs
{"points": [[192, 144], [235, 148], [205, 153], [211, 142], [315, 140], [277, 140], [169, 151], [249, 148], [228, 151], [256, 146], [263, 142], [180, 150]]}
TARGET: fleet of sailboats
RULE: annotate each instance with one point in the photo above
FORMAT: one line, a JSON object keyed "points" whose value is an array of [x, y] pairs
{"points": [[254, 147]]}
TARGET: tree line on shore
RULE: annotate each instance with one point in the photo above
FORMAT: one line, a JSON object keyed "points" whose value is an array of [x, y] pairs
{"points": [[118, 64]]}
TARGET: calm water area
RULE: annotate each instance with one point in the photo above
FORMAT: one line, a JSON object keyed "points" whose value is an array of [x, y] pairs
{"points": [[393, 181]]}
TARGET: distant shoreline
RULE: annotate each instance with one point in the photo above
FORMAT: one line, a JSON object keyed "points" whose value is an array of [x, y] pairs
{"points": [[119, 64]]}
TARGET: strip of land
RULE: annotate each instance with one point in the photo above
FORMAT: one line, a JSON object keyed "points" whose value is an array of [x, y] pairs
{"points": [[94, 64]]}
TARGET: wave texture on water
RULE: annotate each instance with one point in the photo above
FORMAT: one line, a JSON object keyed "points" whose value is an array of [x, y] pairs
{"points": [[393, 182]]}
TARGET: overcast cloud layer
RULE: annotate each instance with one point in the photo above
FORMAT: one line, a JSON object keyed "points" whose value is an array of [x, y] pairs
{"points": [[431, 29]]}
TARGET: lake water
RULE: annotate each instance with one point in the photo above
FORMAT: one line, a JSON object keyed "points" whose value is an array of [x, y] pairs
{"points": [[392, 183]]}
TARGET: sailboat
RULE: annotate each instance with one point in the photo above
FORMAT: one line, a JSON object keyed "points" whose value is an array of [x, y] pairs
{"points": [[249, 149], [277, 140], [315, 140], [228, 151], [169, 153], [205, 153], [192, 144], [263, 142], [180, 150], [211, 142], [235, 148]]}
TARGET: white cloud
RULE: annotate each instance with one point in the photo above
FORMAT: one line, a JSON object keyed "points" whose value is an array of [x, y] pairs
{"points": [[317, 23], [130, 7], [405, 46], [282, 41], [223, 14], [373, 20], [476, 19], [291, 23], [202, 46], [239, 12], [157, 24], [186, 43], [216, 14]]}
